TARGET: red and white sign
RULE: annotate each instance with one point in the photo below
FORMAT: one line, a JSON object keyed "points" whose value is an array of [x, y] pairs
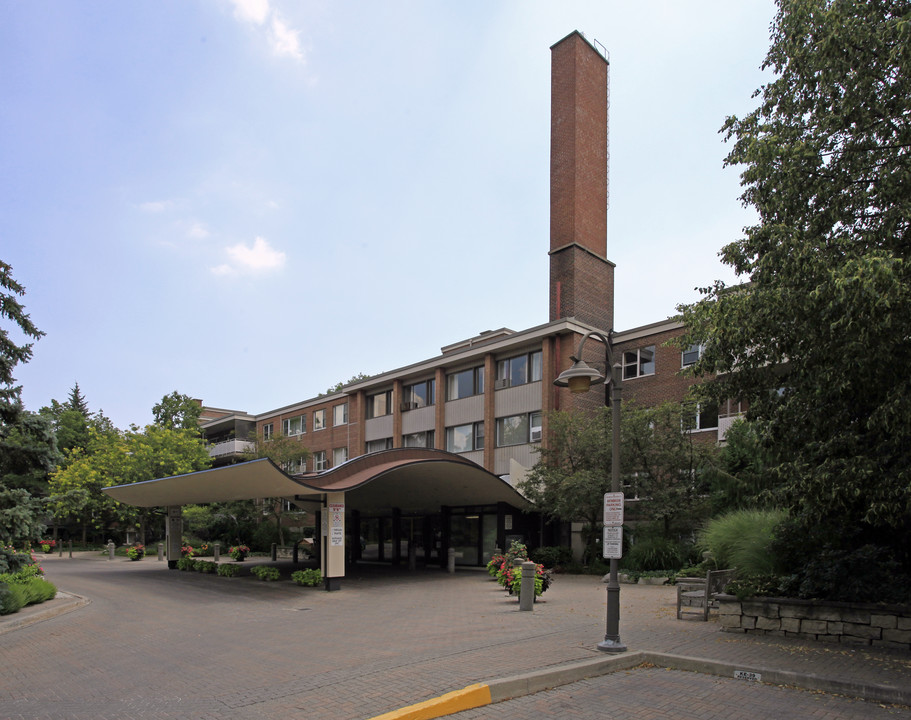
{"points": [[613, 508]]}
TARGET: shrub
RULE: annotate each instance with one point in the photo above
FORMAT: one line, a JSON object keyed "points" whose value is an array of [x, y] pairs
{"points": [[654, 553], [186, 563], [136, 552], [239, 552], [311, 577], [227, 570], [12, 598], [551, 557], [205, 566], [542, 581], [266, 573], [743, 539], [754, 586], [11, 560]]}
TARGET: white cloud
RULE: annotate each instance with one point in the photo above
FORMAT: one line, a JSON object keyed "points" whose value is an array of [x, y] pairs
{"points": [[198, 231], [282, 39], [260, 257], [155, 206], [252, 11]]}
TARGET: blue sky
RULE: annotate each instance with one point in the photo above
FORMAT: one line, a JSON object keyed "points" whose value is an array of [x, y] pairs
{"points": [[248, 201]]}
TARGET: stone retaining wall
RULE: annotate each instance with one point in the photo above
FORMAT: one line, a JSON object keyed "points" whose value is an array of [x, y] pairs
{"points": [[837, 622]]}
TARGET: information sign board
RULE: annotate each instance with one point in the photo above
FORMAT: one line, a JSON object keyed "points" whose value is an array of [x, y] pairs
{"points": [[613, 508], [612, 542]]}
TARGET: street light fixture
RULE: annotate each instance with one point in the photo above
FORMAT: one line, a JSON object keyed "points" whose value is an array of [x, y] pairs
{"points": [[579, 379]]}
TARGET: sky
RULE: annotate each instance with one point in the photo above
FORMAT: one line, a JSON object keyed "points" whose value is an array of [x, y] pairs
{"points": [[249, 201]]}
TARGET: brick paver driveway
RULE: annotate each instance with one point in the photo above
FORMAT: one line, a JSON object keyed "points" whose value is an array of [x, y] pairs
{"points": [[154, 643]]}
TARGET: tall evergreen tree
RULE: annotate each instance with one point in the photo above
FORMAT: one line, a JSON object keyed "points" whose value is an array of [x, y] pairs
{"points": [[12, 352]]}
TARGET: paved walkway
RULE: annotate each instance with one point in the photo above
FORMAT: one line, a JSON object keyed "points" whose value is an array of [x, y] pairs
{"points": [[152, 643]]}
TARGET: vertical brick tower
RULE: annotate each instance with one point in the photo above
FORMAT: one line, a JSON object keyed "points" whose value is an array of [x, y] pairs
{"points": [[581, 276]]}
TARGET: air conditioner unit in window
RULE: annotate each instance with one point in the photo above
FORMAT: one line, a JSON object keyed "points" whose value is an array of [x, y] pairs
{"points": [[535, 435], [501, 384]]}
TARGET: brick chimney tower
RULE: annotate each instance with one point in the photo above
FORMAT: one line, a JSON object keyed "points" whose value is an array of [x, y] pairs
{"points": [[581, 276]]}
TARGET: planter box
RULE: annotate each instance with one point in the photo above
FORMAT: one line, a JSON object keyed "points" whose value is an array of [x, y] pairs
{"points": [[839, 622]]}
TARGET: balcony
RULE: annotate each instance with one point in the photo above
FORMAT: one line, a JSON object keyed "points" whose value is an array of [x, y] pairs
{"points": [[229, 447]]}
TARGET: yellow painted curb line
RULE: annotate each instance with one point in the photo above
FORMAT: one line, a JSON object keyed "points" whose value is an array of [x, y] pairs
{"points": [[470, 697]]}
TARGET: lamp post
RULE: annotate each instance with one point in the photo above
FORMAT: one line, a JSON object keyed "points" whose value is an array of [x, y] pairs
{"points": [[579, 379]]}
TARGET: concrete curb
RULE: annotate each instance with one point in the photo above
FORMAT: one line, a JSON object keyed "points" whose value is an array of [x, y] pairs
{"points": [[62, 603], [516, 686]]}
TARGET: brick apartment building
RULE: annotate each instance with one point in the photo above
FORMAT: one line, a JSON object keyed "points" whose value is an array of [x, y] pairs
{"points": [[487, 397]]}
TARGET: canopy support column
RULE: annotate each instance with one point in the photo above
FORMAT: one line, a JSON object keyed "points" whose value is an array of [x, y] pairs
{"points": [[174, 534], [334, 543]]}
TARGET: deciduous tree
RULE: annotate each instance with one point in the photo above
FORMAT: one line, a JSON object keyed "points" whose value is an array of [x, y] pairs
{"points": [[817, 340]]}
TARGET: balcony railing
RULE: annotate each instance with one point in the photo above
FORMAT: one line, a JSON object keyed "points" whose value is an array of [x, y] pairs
{"points": [[229, 447]]}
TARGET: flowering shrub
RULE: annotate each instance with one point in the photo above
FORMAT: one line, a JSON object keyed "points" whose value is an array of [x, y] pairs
{"points": [[494, 564], [507, 570], [266, 573], [239, 552], [47, 545], [136, 552], [187, 551]]}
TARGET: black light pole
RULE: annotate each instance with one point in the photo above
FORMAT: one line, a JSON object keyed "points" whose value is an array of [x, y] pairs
{"points": [[579, 379]]}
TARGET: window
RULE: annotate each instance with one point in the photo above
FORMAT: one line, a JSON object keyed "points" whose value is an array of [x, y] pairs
{"points": [[339, 456], [700, 416], [379, 404], [465, 383], [518, 429], [690, 355], [377, 445], [294, 426], [465, 438], [340, 414], [319, 460], [267, 431], [319, 420], [419, 395], [419, 439], [637, 363], [519, 370], [293, 467]]}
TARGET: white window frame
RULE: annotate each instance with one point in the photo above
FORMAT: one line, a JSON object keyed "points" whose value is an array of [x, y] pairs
{"points": [[268, 431], [339, 456], [319, 420], [320, 462], [634, 369], [691, 350], [336, 420], [289, 431]]}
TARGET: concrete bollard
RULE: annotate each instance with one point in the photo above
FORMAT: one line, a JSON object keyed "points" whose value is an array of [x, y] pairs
{"points": [[450, 560], [527, 593], [111, 547], [61, 549], [216, 552], [71, 548], [274, 552], [160, 552]]}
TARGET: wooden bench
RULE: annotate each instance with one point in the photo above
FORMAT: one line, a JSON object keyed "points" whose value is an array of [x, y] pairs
{"points": [[696, 595]]}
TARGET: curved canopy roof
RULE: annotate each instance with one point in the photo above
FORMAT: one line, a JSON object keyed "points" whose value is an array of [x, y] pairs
{"points": [[411, 479]]}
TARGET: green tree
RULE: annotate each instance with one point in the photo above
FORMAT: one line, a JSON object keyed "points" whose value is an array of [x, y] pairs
{"points": [[76, 401], [817, 340], [569, 480], [177, 411], [667, 467], [119, 458], [662, 463], [12, 352], [286, 452]]}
